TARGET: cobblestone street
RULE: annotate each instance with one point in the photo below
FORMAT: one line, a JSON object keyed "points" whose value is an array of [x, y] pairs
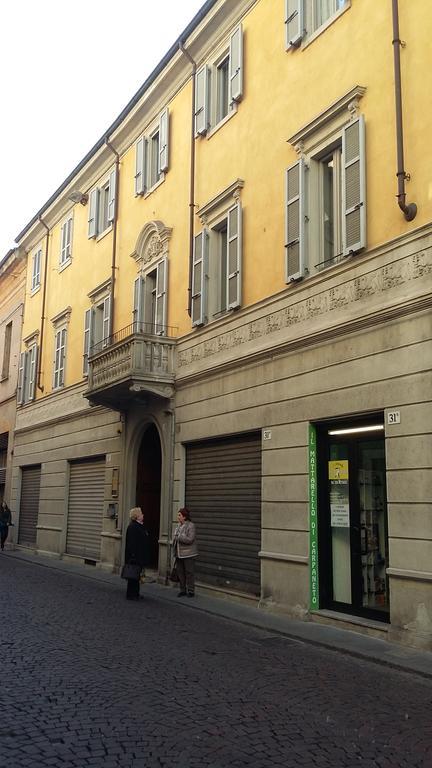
{"points": [[89, 679]]}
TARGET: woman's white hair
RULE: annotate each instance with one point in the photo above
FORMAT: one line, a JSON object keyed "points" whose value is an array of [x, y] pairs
{"points": [[135, 511]]}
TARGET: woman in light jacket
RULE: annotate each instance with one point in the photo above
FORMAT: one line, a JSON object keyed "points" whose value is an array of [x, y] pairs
{"points": [[185, 549]]}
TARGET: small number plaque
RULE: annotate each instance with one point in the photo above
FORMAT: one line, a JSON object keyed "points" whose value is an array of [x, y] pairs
{"points": [[393, 417]]}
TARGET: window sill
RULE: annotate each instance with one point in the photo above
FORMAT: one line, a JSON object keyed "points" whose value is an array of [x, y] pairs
{"points": [[222, 122], [313, 36], [65, 264], [35, 290], [101, 235], [154, 187]]}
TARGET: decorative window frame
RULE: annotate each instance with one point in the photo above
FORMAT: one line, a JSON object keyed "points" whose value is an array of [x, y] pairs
{"points": [[60, 323], [206, 121], [206, 279], [66, 241], [323, 133], [36, 274], [151, 254], [143, 185], [27, 369], [107, 185], [99, 297], [299, 16]]}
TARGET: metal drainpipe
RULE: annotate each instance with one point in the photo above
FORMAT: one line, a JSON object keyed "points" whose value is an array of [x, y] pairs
{"points": [[192, 179], [114, 240], [42, 323], [171, 413], [410, 209]]}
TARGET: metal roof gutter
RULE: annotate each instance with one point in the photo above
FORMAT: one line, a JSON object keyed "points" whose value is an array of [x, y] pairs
{"points": [[134, 100]]}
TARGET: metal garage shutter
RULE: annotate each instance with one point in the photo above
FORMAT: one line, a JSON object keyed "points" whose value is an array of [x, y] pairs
{"points": [[223, 492], [29, 506], [86, 503]]}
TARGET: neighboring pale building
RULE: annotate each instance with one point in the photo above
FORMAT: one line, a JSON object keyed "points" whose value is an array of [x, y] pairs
{"points": [[227, 308], [13, 271]]}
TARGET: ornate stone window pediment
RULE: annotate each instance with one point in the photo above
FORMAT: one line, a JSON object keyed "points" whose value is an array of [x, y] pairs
{"points": [[152, 243], [32, 338], [98, 293], [61, 318]]}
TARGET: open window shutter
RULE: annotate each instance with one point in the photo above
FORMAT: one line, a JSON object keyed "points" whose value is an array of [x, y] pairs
{"points": [[56, 366], [354, 186], [161, 287], [295, 221], [112, 195], [36, 269], [87, 339], [66, 239], [163, 140], [140, 159], [63, 334], [106, 321], [138, 305], [199, 279], [236, 64], [63, 242], [201, 101], [234, 245], [32, 372], [69, 237], [293, 22], [93, 213], [20, 384]]}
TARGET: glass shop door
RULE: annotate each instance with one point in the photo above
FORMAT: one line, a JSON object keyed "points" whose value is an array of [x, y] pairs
{"points": [[356, 539]]}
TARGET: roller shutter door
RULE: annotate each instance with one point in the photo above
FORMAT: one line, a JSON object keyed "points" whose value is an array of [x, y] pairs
{"points": [[86, 504], [29, 506], [223, 492]]}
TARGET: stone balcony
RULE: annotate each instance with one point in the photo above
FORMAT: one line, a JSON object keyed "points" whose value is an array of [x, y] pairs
{"points": [[134, 363]]}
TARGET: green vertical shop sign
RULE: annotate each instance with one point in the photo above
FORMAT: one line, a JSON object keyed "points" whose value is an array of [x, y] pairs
{"points": [[313, 521]]}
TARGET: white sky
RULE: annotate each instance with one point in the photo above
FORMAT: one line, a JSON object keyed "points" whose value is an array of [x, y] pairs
{"points": [[67, 69]]}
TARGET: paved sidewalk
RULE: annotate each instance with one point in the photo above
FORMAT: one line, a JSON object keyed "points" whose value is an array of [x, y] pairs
{"points": [[341, 640]]}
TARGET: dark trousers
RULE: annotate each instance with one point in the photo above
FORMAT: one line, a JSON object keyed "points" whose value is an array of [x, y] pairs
{"points": [[133, 589], [186, 572]]}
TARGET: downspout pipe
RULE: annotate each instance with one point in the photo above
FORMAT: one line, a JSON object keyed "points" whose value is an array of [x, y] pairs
{"points": [[192, 178], [114, 239], [409, 209], [42, 322]]}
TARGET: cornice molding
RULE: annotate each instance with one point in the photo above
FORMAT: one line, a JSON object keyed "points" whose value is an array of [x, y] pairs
{"points": [[367, 322], [347, 103]]}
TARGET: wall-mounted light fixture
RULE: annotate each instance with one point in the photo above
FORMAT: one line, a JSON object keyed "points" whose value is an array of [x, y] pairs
{"points": [[78, 197], [354, 430]]}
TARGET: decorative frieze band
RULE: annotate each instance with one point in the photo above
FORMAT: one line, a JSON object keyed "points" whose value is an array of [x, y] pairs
{"points": [[375, 282]]}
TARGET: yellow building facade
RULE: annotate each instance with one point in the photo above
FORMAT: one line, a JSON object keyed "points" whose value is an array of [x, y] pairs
{"points": [[228, 306], [13, 271]]}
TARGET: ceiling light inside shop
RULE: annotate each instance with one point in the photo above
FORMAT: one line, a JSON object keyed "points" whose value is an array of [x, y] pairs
{"points": [[355, 430]]}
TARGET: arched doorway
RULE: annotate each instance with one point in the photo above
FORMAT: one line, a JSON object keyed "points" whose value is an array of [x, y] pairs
{"points": [[148, 488]]}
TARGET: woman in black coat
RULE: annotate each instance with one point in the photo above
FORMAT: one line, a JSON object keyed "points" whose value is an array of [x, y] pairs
{"points": [[136, 552], [5, 522]]}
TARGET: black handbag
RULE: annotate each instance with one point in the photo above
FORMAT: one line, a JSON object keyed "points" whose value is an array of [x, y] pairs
{"points": [[131, 571], [174, 575]]}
